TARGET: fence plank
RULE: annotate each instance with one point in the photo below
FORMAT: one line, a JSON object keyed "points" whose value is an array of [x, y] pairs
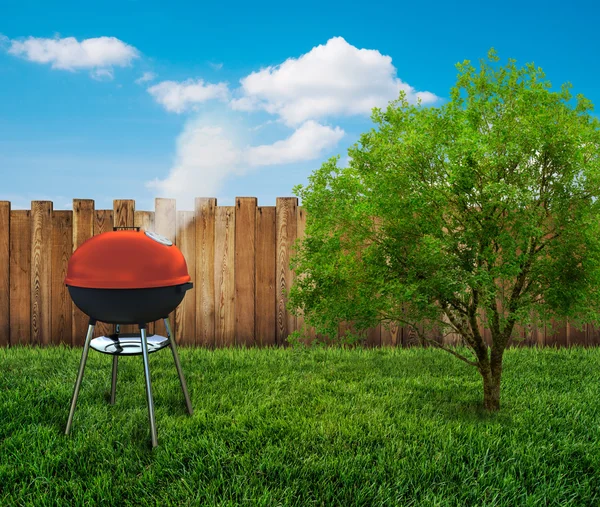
{"points": [[165, 224], [185, 318], [391, 336], [205, 270], [224, 276], [83, 229], [558, 338], [61, 303], [41, 271], [245, 241], [308, 332], [531, 335], [4, 273], [265, 328], [145, 221], [123, 212], [593, 335], [541, 337], [20, 274], [285, 237], [103, 222], [410, 337], [373, 338], [123, 216], [577, 337], [528, 335]]}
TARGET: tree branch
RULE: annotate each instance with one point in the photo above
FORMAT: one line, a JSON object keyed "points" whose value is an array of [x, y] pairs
{"points": [[440, 346]]}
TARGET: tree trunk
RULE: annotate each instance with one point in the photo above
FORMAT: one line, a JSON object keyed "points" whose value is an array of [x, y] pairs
{"points": [[491, 392], [491, 371]]}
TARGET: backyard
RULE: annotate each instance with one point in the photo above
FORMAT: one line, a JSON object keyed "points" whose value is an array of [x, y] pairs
{"points": [[301, 427]]}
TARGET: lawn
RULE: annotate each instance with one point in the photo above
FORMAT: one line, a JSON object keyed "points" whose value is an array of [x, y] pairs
{"points": [[301, 427]]}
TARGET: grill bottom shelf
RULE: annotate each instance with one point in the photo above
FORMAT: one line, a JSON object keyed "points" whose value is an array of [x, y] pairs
{"points": [[128, 344]]}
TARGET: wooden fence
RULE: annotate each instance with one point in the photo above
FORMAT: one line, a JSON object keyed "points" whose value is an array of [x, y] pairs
{"points": [[238, 258]]}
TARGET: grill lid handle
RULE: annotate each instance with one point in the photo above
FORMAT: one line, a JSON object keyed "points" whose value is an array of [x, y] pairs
{"points": [[159, 238], [136, 228]]}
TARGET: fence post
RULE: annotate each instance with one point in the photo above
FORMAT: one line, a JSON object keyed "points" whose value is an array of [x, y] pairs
{"points": [[62, 248], [285, 236], [245, 243], [205, 276], [184, 314], [265, 265], [20, 277], [41, 271], [4, 273], [83, 229], [224, 276]]}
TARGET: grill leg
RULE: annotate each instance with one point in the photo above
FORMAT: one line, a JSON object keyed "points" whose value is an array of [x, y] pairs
{"points": [[148, 386], [86, 349], [178, 366], [113, 384]]}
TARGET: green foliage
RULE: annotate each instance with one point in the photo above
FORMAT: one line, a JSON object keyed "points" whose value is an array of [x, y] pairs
{"points": [[486, 203]]}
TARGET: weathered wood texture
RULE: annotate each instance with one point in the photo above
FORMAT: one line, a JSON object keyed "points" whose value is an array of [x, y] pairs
{"points": [[244, 270], [4, 273], [83, 229], [265, 262], [41, 271], [62, 247], [205, 270], [20, 271], [224, 276], [285, 236], [238, 258], [185, 313]]}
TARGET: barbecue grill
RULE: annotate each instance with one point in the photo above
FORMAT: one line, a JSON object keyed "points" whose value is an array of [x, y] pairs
{"points": [[128, 277]]}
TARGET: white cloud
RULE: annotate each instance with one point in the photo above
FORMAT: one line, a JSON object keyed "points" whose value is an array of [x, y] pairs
{"points": [[306, 143], [179, 97], [102, 74], [332, 79], [145, 77], [206, 155], [216, 66], [68, 53]]}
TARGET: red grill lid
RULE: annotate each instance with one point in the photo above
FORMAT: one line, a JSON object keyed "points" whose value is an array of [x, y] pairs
{"points": [[127, 260]]}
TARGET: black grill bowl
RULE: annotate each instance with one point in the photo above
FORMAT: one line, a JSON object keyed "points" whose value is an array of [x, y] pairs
{"points": [[128, 306]]}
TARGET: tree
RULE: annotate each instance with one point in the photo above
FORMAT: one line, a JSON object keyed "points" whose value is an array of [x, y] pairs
{"points": [[485, 205]]}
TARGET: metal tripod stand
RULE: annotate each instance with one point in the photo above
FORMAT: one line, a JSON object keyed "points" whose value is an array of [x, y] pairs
{"points": [[129, 345]]}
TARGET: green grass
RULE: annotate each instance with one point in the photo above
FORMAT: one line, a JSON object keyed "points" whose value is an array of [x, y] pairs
{"points": [[301, 427]]}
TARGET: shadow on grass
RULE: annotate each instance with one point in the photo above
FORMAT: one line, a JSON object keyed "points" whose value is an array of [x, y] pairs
{"points": [[450, 404]]}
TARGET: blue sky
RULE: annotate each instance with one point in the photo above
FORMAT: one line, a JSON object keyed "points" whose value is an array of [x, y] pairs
{"points": [[131, 99]]}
